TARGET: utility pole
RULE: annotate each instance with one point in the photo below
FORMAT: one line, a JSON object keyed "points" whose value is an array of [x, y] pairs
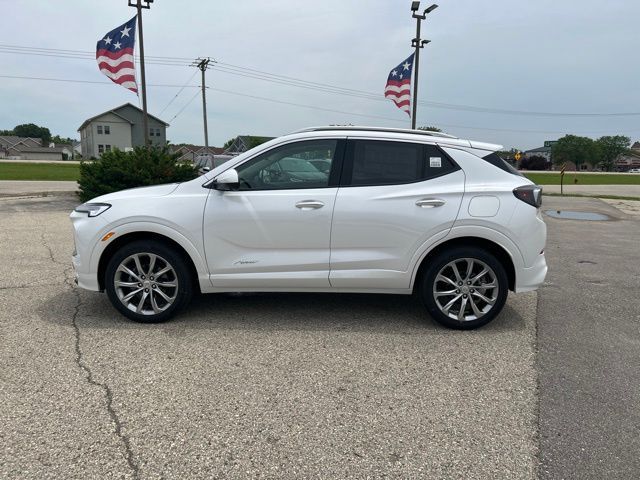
{"points": [[203, 64], [145, 116], [417, 43]]}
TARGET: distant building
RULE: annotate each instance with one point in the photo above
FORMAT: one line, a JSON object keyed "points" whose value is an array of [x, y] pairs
{"points": [[120, 127], [539, 152], [26, 148], [192, 153], [629, 160]]}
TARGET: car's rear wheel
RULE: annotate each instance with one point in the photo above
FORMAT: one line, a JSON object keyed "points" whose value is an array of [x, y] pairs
{"points": [[464, 288], [148, 281]]}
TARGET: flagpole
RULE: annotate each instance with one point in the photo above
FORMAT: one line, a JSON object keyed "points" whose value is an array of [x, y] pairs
{"points": [[416, 71], [143, 84], [417, 43]]}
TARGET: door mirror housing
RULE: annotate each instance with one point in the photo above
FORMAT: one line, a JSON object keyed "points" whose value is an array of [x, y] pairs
{"points": [[227, 180]]}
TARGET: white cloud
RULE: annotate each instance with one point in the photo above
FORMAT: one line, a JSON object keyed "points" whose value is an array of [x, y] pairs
{"points": [[572, 56]]}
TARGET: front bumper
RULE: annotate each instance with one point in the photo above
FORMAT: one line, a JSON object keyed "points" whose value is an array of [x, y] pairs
{"points": [[88, 281], [87, 232]]}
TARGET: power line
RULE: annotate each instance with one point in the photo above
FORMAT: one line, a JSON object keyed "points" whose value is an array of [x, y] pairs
{"points": [[184, 107], [397, 120], [300, 83], [282, 102], [313, 107], [176, 95], [73, 80]]}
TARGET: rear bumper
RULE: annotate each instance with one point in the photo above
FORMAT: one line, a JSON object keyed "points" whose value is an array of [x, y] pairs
{"points": [[528, 279]]}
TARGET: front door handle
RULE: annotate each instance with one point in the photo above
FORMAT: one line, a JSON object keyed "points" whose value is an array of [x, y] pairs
{"points": [[430, 202], [309, 204]]}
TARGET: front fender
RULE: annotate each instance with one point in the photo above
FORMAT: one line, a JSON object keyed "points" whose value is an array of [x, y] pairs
{"points": [[150, 227]]}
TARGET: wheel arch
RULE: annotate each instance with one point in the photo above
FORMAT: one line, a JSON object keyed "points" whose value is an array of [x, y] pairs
{"points": [[127, 238], [497, 250]]}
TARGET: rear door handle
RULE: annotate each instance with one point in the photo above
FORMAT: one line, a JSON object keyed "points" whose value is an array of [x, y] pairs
{"points": [[309, 204], [430, 202]]}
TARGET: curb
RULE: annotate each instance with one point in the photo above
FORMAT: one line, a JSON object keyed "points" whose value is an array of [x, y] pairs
{"points": [[39, 194]]}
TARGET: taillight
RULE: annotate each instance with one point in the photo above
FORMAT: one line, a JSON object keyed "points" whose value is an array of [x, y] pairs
{"points": [[531, 194]]}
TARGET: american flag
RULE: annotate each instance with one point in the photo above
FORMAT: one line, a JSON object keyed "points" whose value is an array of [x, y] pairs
{"points": [[398, 86], [114, 54]]}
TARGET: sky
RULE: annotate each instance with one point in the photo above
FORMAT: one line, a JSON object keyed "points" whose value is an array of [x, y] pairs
{"points": [[549, 56]]}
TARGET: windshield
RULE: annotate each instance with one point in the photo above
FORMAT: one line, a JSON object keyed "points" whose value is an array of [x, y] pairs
{"points": [[297, 165]]}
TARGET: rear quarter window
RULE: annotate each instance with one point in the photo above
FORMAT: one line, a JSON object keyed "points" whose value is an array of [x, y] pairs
{"points": [[497, 161]]}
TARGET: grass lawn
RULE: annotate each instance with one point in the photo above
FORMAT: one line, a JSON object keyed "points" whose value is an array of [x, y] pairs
{"points": [[553, 178], [61, 171], [39, 171]]}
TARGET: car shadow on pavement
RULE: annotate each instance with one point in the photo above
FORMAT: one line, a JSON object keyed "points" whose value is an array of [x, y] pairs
{"points": [[396, 314]]}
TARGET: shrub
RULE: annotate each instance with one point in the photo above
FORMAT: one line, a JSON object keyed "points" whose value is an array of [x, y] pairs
{"points": [[536, 162], [118, 170]]}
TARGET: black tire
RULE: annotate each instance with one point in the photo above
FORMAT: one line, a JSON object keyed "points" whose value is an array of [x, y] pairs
{"points": [[181, 294], [459, 254]]}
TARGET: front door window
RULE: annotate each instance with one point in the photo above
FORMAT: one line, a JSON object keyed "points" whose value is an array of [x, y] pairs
{"points": [[294, 166]]}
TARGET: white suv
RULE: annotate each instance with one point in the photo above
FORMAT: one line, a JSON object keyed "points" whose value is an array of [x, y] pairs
{"points": [[396, 212]]}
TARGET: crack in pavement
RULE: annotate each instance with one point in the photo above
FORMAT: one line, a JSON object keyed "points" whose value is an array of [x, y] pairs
{"points": [[79, 360], [28, 285], [107, 390]]}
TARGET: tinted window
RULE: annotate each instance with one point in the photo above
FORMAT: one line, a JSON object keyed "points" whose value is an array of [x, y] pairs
{"points": [[288, 167], [384, 163], [497, 161]]}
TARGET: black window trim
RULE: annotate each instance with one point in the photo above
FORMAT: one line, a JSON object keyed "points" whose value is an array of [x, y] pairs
{"points": [[347, 170], [336, 164], [492, 158]]}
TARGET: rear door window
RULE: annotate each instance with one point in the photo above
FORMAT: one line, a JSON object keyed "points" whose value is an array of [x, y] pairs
{"points": [[376, 162]]}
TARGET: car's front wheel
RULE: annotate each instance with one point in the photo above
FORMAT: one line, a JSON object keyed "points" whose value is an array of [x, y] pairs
{"points": [[464, 288], [147, 281]]}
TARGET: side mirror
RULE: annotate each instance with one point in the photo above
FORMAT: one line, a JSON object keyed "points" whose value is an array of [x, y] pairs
{"points": [[227, 180], [206, 169]]}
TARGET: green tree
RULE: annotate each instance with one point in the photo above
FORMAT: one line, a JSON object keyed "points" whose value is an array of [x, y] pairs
{"points": [[59, 139], [228, 143], [430, 129], [571, 148], [535, 162], [255, 141], [34, 131], [118, 170], [609, 148], [251, 141]]}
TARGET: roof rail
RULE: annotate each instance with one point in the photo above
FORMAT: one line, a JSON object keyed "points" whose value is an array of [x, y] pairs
{"points": [[376, 129]]}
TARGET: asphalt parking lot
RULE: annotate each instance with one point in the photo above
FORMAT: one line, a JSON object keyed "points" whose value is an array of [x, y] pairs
{"points": [[279, 386]]}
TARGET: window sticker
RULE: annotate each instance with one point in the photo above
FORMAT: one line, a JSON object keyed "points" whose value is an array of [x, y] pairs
{"points": [[435, 162]]}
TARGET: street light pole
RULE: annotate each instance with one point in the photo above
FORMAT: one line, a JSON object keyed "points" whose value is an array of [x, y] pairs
{"points": [[145, 116], [417, 43]]}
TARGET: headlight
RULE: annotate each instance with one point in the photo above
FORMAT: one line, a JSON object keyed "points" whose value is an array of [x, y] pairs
{"points": [[93, 209]]}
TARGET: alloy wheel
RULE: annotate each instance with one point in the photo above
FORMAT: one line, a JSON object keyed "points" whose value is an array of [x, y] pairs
{"points": [[465, 289], [146, 283]]}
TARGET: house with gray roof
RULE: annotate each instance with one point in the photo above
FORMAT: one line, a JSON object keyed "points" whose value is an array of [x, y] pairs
{"points": [[121, 128], [26, 148]]}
